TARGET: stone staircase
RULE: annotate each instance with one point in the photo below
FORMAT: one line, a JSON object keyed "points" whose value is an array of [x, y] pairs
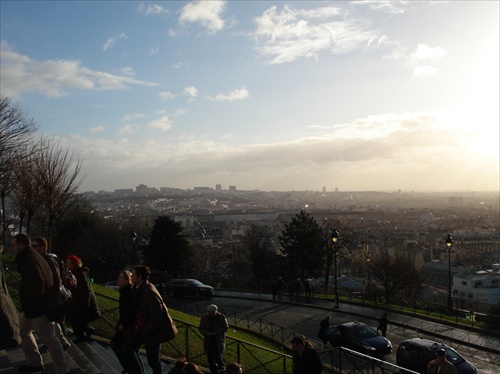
{"points": [[91, 357]]}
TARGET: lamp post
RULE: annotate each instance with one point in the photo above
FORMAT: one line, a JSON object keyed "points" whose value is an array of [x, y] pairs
{"points": [[449, 245], [335, 239]]}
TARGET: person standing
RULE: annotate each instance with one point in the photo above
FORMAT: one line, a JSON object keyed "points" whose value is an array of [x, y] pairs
{"points": [[213, 327], [155, 326], [323, 326], [382, 324], [84, 308], [305, 359], [36, 282], [58, 274], [127, 318], [441, 365]]}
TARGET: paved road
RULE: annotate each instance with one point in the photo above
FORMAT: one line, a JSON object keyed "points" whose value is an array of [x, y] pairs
{"points": [[304, 317]]}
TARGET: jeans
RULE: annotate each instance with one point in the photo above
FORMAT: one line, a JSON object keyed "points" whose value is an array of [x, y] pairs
{"points": [[45, 331], [130, 355], [214, 359]]}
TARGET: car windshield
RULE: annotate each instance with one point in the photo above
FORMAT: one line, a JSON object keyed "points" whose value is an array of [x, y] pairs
{"points": [[363, 332], [453, 356], [195, 282]]}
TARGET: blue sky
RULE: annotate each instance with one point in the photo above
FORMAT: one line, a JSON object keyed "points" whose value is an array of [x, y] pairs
{"points": [[367, 95]]}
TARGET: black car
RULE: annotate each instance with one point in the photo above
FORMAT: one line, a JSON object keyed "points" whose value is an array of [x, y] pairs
{"points": [[358, 337], [189, 287], [414, 354]]}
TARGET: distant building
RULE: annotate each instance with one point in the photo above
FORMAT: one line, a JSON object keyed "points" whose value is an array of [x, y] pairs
{"points": [[477, 287], [218, 187], [124, 191], [201, 189], [141, 189], [232, 188]]}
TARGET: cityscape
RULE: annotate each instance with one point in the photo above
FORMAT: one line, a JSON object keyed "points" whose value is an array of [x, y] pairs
{"points": [[416, 224]]}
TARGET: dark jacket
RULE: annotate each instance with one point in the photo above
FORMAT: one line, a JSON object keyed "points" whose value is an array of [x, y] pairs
{"points": [[9, 317], [128, 313], [219, 325], [36, 281], [153, 314], [307, 362], [84, 307]]}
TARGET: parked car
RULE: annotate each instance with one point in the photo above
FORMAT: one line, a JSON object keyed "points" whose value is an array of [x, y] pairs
{"points": [[113, 285], [189, 287], [359, 337], [414, 354]]}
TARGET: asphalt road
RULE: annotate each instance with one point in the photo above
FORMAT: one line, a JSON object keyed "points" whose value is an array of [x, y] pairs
{"points": [[304, 318]]}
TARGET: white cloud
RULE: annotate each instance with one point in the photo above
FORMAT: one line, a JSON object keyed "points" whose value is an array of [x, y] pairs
{"points": [[151, 9], [166, 95], [207, 13], [293, 33], [162, 123], [98, 128], [129, 128], [110, 43], [239, 94], [131, 117], [191, 91], [424, 53], [128, 71], [54, 78]]}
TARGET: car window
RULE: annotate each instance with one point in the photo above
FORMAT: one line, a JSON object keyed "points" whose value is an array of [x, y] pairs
{"points": [[195, 282], [409, 353], [453, 356], [363, 332], [335, 331]]}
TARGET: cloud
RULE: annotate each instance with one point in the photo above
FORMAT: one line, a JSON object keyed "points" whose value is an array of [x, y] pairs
{"points": [[54, 78], [425, 53], [129, 128], [98, 128], [293, 33], [132, 117], [166, 95], [110, 43], [206, 13], [162, 123], [391, 7], [149, 9], [191, 91], [128, 71], [386, 151], [239, 94]]}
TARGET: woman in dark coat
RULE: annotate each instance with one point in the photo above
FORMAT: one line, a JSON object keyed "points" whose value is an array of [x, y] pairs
{"points": [[84, 308]]}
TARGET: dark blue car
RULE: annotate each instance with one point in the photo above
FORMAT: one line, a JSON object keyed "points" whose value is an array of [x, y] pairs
{"points": [[414, 354], [360, 338]]}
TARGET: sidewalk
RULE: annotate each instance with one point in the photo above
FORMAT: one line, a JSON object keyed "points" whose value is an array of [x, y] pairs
{"points": [[474, 338]]}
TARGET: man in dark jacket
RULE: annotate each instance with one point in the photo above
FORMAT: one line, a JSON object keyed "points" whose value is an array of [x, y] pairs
{"points": [[155, 326], [305, 359], [214, 326], [36, 281]]}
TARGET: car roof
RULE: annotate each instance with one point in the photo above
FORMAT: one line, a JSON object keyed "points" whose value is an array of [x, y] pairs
{"points": [[351, 324], [429, 344]]}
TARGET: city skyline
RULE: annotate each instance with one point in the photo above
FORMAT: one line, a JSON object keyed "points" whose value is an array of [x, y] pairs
{"points": [[268, 95]]}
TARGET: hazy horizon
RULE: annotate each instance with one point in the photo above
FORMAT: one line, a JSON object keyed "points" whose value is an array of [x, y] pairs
{"points": [[263, 95]]}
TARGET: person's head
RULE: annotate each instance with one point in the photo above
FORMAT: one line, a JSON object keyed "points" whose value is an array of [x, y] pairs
{"points": [[140, 274], [328, 318], [234, 368], [73, 262], [192, 368], [297, 344], [20, 242], [124, 278], [212, 309], [39, 245], [441, 355]]}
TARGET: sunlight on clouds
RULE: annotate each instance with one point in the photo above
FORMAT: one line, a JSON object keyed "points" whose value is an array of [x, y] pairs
{"points": [[239, 94], [292, 33], [424, 52], [191, 91], [207, 13], [162, 123], [53, 78]]}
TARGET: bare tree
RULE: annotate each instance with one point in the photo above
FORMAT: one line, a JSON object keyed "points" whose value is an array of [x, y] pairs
{"points": [[16, 131], [58, 177]]}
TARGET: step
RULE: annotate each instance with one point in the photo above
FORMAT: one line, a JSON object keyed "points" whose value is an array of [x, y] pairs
{"points": [[102, 365], [107, 354]]}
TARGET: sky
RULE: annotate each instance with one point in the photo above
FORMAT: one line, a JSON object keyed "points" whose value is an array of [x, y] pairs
{"points": [[262, 95]]}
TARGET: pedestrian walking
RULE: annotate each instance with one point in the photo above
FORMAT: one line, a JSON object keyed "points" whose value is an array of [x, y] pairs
{"points": [[382, 324], [36, 282], [323, 326], [305, 359], [441, 365], [213, 326]]}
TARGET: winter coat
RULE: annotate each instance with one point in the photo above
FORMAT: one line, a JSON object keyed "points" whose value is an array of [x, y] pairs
{"points": [[152, 314], [36, 282], [220, 326], [307, 362], [84, 307]]}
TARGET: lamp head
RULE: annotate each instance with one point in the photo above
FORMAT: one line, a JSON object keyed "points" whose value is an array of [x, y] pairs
{"points": [[335, 235], [449, 242]]}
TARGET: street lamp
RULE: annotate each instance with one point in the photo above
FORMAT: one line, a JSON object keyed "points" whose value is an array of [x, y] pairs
{"points": [[449, 245], [335, 239]]}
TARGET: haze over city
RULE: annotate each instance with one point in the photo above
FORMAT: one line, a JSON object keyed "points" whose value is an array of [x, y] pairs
{"points": [[269, 95]]}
